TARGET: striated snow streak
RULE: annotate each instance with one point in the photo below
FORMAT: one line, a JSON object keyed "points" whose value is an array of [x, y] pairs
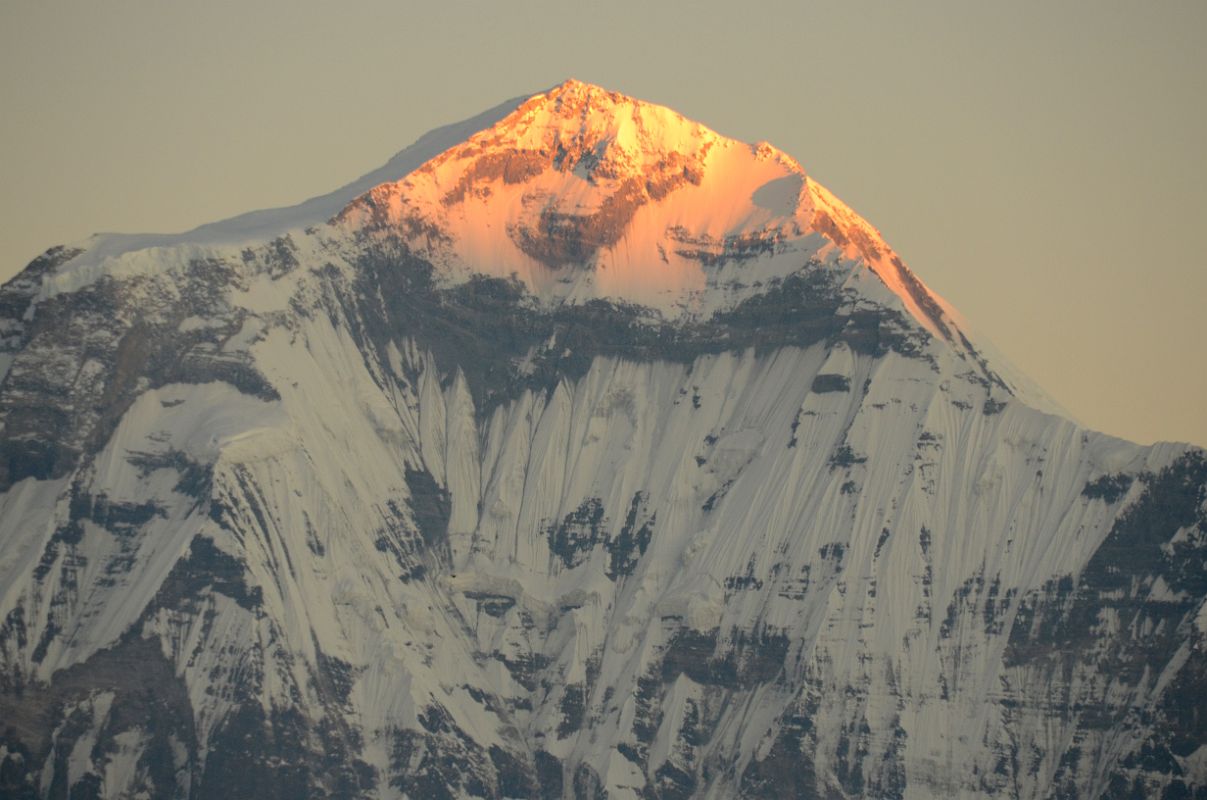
{"points": [[844, 520]]}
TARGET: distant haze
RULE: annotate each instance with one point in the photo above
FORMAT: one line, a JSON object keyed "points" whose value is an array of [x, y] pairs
{"points": [[1041, 165]]}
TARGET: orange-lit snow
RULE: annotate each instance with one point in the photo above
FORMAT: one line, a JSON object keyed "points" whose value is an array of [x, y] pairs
{"points": [[691, 196]]}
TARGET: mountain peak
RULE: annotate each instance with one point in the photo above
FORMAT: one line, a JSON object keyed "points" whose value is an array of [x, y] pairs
{"points": [[574, 106], [582, 192], [578, 127]]}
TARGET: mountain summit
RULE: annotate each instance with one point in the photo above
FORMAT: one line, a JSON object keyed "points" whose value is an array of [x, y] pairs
{"points": [[578, 452], [582, 193]]}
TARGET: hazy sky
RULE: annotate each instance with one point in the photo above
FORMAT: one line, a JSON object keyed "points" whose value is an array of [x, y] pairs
{"points": [[1040, 164]]}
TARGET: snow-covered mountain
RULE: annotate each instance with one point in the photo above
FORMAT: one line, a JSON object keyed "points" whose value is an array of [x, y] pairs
{"points": [[578, 452]]}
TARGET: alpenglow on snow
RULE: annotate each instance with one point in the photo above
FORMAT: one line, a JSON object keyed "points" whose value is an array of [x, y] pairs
{"points": [[578, 452]]}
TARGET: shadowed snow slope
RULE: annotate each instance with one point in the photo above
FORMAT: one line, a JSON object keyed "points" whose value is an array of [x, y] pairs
{"points": [[581, 452]]}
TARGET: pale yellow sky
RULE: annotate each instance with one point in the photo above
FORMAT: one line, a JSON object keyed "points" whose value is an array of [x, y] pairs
{"points": [[1039, 164]]}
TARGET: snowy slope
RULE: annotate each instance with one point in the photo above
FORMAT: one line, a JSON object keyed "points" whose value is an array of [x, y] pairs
{"points": [[598, 455], [98, 252]]}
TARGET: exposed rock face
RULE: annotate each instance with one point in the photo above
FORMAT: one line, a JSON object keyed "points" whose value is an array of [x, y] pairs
{"points": [[672, 481]]}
